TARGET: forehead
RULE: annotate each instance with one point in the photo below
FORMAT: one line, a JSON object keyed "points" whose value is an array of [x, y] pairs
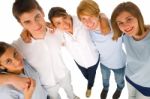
{"points": [[8, 53], [123, 15], [60, 18], [29, 15]]}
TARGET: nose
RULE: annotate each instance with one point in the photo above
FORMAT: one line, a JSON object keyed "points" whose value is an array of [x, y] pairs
{"points": [[17, 61], [36, 25], [87, 22], [64, 25]]}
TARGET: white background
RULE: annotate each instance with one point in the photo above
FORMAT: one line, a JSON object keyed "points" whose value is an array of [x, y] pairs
{"points": [[10, 30]]}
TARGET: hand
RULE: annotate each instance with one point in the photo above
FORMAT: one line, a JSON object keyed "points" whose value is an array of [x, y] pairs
{"points": [[28, 91], [19, 83], [51, 26], [26, 36]]}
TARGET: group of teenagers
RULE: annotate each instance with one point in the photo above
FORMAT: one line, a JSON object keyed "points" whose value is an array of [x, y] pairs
{"points": [[32, 67]]}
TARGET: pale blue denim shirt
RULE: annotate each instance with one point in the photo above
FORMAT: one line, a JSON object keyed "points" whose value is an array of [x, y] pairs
{"points": [[9, 92]]}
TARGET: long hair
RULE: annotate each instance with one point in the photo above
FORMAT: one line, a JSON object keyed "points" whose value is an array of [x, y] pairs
{"points": [[133, 10]]}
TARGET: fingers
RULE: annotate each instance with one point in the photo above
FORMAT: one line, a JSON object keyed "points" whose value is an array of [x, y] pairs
{"points": [[26, 36], [30, 85], [51, 27]]}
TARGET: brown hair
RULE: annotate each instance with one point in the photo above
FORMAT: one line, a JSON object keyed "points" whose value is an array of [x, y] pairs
{"points": [[22, 6], [133, 10], [56, 12], [3, 47]]}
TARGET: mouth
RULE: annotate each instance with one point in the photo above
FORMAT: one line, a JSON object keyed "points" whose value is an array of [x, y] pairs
{"points": [[129, 30], [91, 26], [38, 29]]}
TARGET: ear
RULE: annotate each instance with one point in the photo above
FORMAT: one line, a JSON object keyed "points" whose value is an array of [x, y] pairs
{"points": [[43, 13]]}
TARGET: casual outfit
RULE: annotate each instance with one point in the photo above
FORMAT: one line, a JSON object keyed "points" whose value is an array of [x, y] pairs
{"points": [[45, 56], [138, 61], [112, 57], [82, 49], [9, 92]]}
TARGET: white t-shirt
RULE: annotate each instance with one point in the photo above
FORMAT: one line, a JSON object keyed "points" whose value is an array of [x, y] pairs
{"points": [[80, 45], [44, 56]]}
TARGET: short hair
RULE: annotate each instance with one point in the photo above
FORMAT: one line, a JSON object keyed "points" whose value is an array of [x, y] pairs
{"points": [[56, 12], [22, 6], [133, 10], [3, 47], [88, 7]]}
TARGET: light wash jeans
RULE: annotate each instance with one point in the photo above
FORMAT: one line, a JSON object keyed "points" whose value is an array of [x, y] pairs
{"points": [[134, 93], [119, 77]]}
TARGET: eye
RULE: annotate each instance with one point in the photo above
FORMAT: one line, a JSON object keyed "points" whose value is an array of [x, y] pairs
{"points": [[57, 24], [120, 23], [8, 61], [130, 19], [26, 22], [64, 17], [15, 54], [38, 17]]}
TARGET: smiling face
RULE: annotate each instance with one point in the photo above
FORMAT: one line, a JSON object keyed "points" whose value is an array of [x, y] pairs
{"points": [[91, 22], [127, 23], [12, 61], [34, 22], [63, 23]]}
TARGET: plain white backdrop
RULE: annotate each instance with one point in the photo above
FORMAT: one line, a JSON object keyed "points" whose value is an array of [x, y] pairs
{"points": [[10, 30]]}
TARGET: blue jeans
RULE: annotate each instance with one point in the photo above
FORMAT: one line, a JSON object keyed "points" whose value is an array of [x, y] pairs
{"points": [[89, 73], [119, 77]]}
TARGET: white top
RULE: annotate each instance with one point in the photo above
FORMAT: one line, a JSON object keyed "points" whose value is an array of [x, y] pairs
{"points": [[80, 45], [111, 52], [44, 56]]}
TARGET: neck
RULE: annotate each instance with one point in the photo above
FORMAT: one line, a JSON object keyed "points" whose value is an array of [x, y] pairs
{"points": [[138, 38]]}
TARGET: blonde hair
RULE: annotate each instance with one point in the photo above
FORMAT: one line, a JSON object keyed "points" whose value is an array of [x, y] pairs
{"points": [[133, 10], [91, 8], [88, 7]]}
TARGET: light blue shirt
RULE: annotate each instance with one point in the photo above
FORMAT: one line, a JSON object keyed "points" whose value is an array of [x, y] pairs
{"points": [[111, 52], [9, 92], [138, 60]]}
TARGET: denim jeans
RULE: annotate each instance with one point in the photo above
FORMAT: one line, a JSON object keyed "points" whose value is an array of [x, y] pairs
{"points": [[89, 73], [119, 77]]}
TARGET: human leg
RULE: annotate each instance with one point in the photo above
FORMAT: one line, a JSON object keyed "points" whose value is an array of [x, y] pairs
{"points": [[105, 78], [66, 85], [119, 78], [53, 92]]}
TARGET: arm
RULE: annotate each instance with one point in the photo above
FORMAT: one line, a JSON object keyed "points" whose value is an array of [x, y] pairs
{"points": [[5, 92], [26, 35], [104, 23], [18, 82]]}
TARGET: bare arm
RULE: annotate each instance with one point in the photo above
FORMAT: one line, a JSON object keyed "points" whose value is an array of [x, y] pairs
{"points": [[105, 27], [18, 82]]}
